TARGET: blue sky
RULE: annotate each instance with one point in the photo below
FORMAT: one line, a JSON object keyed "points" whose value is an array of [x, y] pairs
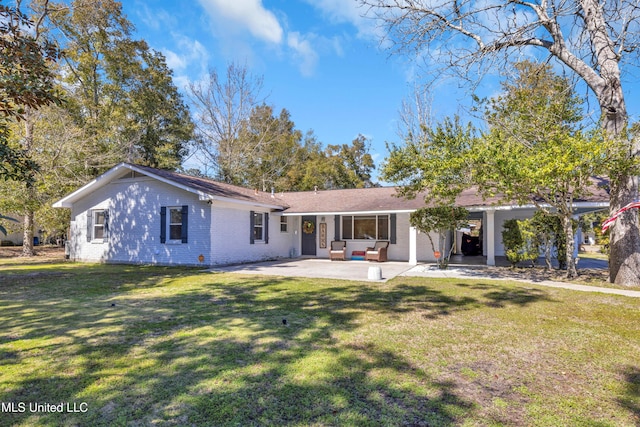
{"points": [[319, 58]]}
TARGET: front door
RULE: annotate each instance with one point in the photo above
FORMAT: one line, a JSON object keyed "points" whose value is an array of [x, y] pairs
{"points": [[309, 228]]}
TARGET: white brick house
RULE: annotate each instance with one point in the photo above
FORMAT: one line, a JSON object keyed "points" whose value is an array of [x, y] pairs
{"points": [[142, 215]]}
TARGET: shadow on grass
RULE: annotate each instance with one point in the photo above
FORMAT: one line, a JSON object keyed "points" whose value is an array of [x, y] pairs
{"points": [[631, 398], [218, 353]]}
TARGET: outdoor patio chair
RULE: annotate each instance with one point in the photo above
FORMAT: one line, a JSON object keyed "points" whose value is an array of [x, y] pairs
{"points": [[378, 252], [338, 250]]}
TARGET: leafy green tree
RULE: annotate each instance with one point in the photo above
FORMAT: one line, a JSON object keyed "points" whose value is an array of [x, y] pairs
{"points": [[6, 218], [348, 165], [534, 150], [519, 240], [26, 83], [120, 91], [441, 220], [334, 166], [120, 105], [435, 160], [60, 172], [593, 39], [550, 235], [272, 142]]}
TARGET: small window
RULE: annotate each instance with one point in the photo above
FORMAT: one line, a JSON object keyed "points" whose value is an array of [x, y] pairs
{"points": [[258, 226], [284, 224], [175, 223], [98, 224]]}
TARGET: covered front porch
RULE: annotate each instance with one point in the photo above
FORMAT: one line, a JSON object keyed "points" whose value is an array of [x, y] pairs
{"points": [[314, 232]]}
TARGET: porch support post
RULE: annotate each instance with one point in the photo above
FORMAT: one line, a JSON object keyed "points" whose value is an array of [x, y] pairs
{"points": [[491, 237], [413, 246]]}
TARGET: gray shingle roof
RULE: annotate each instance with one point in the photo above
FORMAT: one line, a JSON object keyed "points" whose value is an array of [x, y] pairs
{"points": [[377, 199], [214, 188]]}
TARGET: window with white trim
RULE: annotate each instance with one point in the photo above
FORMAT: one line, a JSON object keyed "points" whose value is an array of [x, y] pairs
{"points": [[99, 222], [258, 226], [365, 227], [284, 224], [175, 223]]}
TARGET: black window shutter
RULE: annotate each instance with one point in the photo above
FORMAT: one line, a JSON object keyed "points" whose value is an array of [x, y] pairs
{"points": [[106, 226], [89, 225], [266, 227], [185, 223], [392, 223], [163, 224], [251, 225], [336, 227]]}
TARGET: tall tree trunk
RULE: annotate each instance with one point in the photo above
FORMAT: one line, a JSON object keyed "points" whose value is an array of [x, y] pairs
{"points": [[624, 257], [27, 237], [547, 253], [567, 226]]}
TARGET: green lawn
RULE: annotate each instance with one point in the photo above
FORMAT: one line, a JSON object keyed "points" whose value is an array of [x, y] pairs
{"points": [[162, 346]]}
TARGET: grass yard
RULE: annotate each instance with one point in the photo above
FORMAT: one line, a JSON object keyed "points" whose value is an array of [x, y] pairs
{"points": [[165, 346]]}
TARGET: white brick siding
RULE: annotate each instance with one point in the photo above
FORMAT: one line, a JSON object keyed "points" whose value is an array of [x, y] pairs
{"points": [[134, 224], [396, 252], [230, 236]]}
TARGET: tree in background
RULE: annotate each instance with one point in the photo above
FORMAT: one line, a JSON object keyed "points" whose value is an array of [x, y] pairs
{"points": [[333, 167], [120, 91], [244, 142], [550, 235], [120, 105], [27, 83], [58, 145], [353, 163], [593, 38], [272, 143], [223, 106]]}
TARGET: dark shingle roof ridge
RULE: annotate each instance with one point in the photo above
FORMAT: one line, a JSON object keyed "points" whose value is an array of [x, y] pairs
{"points": [[212, 186], [324, 190]]}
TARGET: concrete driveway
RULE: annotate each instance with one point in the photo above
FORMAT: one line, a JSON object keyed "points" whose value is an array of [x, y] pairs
{"points": [[323, 268]]}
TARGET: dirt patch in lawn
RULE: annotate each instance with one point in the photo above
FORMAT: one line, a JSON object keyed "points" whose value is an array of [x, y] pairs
{"points": [[586, 276], [43, 253]]}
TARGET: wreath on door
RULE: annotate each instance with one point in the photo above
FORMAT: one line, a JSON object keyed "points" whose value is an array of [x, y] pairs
{"points": [[308, 227]]}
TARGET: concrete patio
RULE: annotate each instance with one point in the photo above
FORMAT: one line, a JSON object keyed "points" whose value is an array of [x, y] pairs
{"points": [[320, 268], [358, 270]]}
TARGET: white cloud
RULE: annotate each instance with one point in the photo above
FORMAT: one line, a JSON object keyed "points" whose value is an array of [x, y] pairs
{"points": [[303, 50], [174, 61], [155, 19], [192, 59], [347, 12], [251, 15]]}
